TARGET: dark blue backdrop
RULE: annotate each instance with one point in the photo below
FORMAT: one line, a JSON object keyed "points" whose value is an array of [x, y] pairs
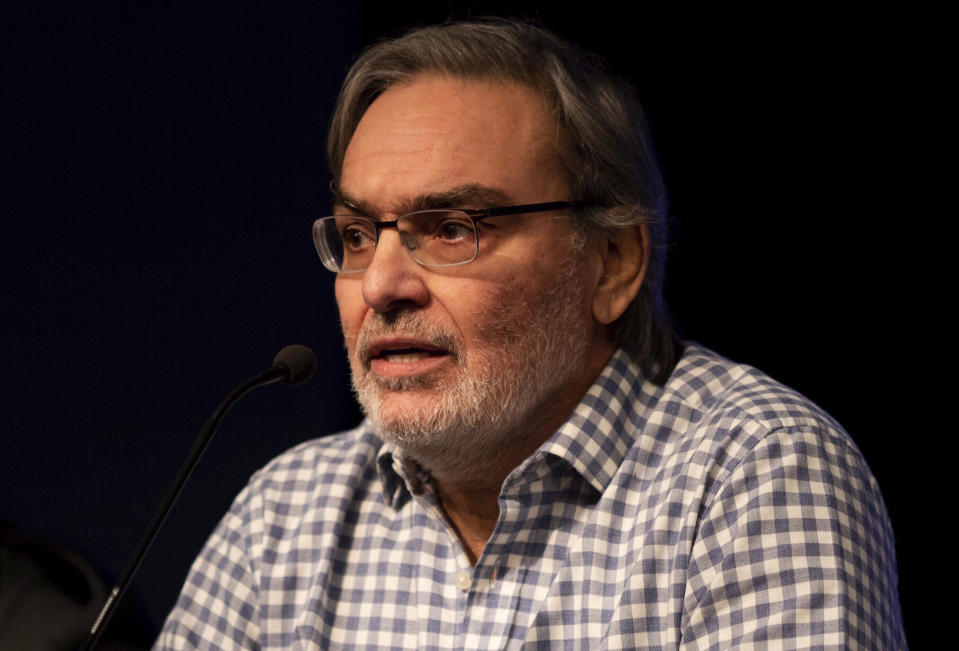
{"points": [[163, 167]]}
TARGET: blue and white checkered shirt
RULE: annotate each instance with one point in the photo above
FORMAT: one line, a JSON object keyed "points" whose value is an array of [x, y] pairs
{"points": [[720, 511]]}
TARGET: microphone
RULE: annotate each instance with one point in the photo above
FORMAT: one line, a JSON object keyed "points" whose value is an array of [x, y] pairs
{"points": [[299, 361], [294, 365]]}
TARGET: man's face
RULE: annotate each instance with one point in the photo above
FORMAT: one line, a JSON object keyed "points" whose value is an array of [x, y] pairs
{"points": [[459, 363]]}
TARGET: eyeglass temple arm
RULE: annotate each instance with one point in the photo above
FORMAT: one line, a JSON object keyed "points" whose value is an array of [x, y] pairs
{"points": [[517, 210]]}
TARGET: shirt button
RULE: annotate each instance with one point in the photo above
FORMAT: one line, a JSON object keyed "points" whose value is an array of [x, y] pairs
{"points": [[463, 580]]}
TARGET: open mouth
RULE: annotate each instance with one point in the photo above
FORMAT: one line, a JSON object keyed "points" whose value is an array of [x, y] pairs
{"points": [[407, 355], [403, 351]]}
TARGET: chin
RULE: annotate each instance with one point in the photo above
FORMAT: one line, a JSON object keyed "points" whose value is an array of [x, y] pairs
{"points": [[402, 412]]}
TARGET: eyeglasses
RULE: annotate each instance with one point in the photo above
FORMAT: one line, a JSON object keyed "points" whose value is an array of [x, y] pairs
{"points": [[434, 238]]}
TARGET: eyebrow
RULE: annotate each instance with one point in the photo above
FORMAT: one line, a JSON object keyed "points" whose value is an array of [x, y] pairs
{"points": [[467, 195]]}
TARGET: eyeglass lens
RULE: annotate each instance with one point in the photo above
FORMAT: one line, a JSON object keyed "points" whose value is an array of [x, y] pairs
{"points": [[432, 237]]}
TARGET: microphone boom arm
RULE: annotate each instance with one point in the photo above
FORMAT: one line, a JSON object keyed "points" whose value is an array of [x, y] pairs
{"points": [[293, 364]]}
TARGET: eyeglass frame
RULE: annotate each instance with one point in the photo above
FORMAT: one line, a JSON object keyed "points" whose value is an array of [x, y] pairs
{"points": [[476, 215]]}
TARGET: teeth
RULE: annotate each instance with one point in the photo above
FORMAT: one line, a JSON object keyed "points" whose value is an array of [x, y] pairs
{"points": [[401, 358]]}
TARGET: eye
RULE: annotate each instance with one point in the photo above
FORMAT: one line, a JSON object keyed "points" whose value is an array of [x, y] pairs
{"points": [[453, 230], [357, 236]]}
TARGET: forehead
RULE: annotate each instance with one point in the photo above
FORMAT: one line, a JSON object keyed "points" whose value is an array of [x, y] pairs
{"points": [[433, 133]]}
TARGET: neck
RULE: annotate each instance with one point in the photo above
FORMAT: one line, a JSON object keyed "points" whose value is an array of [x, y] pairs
{"points": [[469, 492], [472, 511]]}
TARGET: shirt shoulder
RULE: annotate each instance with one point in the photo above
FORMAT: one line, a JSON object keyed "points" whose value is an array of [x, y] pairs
{"points": [[719, 405], [714, 386], [708, 415], [782, 487], [321, 460], [288, 515], [304, 491]]}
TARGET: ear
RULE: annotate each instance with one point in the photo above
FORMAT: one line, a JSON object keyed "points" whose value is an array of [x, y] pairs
{"points": [[624, 267]]}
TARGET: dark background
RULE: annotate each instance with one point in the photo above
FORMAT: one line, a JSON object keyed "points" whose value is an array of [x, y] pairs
{"points": [[162, 167]]}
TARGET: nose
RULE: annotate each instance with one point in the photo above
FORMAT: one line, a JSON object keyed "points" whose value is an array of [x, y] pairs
{"points": [[393, 280]]}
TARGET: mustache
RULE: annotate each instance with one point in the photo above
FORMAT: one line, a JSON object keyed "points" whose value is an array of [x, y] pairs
{"points": [[406, 324]]}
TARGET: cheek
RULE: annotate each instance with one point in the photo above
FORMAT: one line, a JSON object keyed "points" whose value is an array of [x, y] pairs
{"points": [[349, 301], [503, 312], [537, 301]]}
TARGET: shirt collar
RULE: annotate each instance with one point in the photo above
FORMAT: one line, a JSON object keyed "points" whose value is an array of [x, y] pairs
{"points": [[593, 440]]}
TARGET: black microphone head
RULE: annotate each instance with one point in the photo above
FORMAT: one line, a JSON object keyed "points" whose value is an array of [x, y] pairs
{"points": [[299, 361]]}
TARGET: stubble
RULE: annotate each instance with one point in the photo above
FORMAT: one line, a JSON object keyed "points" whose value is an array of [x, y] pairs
{"points": [[498, 388]]}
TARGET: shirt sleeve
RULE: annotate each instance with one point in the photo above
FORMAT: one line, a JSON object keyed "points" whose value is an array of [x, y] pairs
{"points": [[794, 550], [217, 607]]}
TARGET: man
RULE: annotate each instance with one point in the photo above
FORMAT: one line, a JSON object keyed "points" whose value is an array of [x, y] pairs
{"points": [[542, 465]]}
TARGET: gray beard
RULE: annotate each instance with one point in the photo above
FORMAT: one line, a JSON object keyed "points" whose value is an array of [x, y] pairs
{"points": [[501, 388]]}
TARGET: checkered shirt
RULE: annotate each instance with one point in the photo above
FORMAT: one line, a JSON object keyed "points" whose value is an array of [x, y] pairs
{"points": [[720, 511]]}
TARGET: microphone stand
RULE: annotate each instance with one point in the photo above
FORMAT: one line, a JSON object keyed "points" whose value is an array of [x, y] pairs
{"points": [[203, 439]]}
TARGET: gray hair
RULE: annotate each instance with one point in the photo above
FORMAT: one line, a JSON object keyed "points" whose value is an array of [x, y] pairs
{"points": [[608, 154]]}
